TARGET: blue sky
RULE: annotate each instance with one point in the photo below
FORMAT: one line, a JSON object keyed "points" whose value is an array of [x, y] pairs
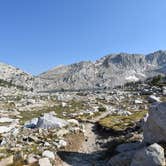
{"points": [[36, 35]]}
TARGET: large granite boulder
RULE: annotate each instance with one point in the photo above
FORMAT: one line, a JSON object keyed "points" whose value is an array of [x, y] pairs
{"points": [[48, 121], [152, 155], [155, 127]]}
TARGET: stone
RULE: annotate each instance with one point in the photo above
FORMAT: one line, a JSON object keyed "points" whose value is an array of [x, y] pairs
{"points": [[154, 130], [7, 161], [138, 101], [62, 132], [48, 154], [152, 155], [44, 162], [5, 129], [48, 121], [15, 132], [31, 124], [164, 90], [5, 120], [153, 99], [121, 112], [73, 121], [64, 104], [31, 159], [60, 144], [46, 144]]}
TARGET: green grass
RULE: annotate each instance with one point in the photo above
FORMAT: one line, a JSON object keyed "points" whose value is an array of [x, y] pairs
{"points": [[58, 109], [121, 123]]}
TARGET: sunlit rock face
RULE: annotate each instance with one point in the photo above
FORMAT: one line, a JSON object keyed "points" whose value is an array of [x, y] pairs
{"points": [[155, 127]]}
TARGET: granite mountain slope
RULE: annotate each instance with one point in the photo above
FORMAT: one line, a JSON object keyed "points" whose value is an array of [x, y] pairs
{"points": [[15, 77], [109, 71]]}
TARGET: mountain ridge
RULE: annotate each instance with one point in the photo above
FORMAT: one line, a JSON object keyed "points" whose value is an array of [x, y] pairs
{"points": [[108, 71]]}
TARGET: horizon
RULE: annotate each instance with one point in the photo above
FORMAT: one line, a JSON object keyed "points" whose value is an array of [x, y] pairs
{"points": [[38, 35], [79, 61]]}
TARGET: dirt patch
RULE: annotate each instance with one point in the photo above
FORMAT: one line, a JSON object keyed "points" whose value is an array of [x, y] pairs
{"points": [[74, 142]]}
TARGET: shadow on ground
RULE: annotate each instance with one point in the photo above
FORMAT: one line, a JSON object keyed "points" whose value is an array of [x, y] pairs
{"points": [[103, 133], [83, 159]]}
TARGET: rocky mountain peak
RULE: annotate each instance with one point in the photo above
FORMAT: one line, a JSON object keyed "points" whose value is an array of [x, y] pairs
{"points": [[157, 58], [125, 59]]}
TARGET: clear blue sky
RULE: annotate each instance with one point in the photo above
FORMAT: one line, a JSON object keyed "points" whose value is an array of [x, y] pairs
{"points": [[37, 35]]}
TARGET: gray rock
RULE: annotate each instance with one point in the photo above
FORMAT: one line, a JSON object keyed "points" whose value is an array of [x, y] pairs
{"points": [[31, 124], [155, 127], [49, 121], [149, 156], [120, 112], [7, 161], [32, 159], [153, 99], [164, 90], [48, 154], [44, 162]]}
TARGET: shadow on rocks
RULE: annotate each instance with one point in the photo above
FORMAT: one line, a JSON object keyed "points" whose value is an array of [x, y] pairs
{"points": [[104, 133], [83, 159]]}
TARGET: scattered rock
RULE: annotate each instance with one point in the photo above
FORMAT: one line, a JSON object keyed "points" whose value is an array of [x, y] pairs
{"points": [[32, 123], [62, 132], [7, 161], [48, 154], [5, 129], [121, 112], [32, 159], [62, 143], [153, 99], [73, 121], [44, 162], [164, 90], [5, 120], [138, 101]]}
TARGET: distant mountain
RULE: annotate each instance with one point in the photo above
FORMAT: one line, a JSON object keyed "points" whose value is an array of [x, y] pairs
{"points": [[109, 71], [15, 77]]}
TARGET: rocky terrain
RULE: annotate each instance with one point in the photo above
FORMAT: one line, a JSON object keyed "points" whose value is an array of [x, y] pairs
{"points": [[120, 126], [15, 77]]}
